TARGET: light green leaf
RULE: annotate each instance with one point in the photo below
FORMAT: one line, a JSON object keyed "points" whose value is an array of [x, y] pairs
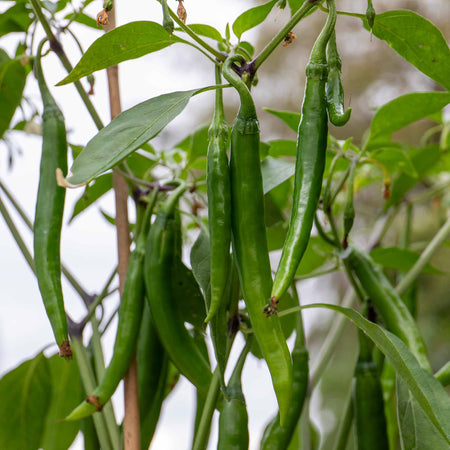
{"points": [[25, 394], [282, 147], [395, 160], [126, 133], [83, 19], [404, 110], [291, 119], [252, 17], [130, 41], [427, 391], [275, 171], [206, 30], [417, 40]]}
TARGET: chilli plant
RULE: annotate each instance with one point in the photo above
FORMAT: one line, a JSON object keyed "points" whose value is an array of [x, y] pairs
{"points": [[227, 200]]}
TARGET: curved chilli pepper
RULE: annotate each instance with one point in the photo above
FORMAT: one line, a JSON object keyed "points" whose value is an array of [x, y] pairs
{"points": [[387, 303], [310, 161], [49, 213], [233, 419], [249, 239], [219, 203], [130, 313], [159, 258], [277, 437], [371, 431], [335, 93], [167, 20]]}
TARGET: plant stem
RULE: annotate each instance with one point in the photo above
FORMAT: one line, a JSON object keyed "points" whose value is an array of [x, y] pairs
{"points": [[204, 426], [57, 48], [425, 258], [88, 379], [276, 41]]}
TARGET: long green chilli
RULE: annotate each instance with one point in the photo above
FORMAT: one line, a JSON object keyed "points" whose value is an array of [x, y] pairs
{"points": [[310, 161], [219, 203], [130, 313], [334, 90], [249, 238], [49, 213], [159, 260]]}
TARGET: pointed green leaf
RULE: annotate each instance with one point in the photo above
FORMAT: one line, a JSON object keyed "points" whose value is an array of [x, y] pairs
{"points": [[25, 394], [126, 133], [427, 391], [404, 110], [395, 160], [84, 19], [291, 119], [15, 19], [282, 147], [252, 17], [206, 30], [274, 172], [130, 41], [417, 40]]}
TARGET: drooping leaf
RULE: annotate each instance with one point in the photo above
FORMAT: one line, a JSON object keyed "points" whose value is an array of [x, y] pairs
{"points": [[126, 133], [12, 82], [291, 119], [427, 391], [399, 259], [252, 17], [130, 41], [417, 40], [26, 394], [404, 110], [275, 171], [67, 393], [206, 30]]}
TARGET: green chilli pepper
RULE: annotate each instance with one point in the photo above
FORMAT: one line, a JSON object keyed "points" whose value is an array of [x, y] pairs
{"points": [[167, 20], [349, 209], [233, 420], [310, 161], [130, 313], [387, 303], [335, 92], [159, 261], [371, 431], [277, 437], [219, 203], [249, 238], [49, 213]]}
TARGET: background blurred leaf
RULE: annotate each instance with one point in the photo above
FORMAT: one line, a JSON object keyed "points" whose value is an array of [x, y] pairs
{"points": [[252, 17]]}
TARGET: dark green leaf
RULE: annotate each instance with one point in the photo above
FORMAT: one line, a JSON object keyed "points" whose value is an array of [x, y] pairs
{"points": [[252, 17], [274, 172], [317, 253], [399, 259], [130, 41], [15, 19], [67, 393], [206, 30], [395, 160], [291, 119], [140, 164], [200, 260], [92, 193], [12, 82], [83, 19], [282, 147], [126, 133], [26, 393], [198, 145], [417, 40], [404, 110]]}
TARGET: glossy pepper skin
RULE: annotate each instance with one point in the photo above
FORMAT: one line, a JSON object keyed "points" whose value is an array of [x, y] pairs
{"points": [[130, 314], [277, 437], [249, 239], [49, 213], [219, 204], [387, 303], [233, 420], [371, 430], [310, 161], [159, 261], [334, 90]]}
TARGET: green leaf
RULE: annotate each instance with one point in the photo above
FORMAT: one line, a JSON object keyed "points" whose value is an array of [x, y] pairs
{"points": [[252, 17], [67, 393], [400, 259], [404, 110], [198, 145], [12, 82], [15, 19], [99, 187], [427, 391], [295, 5], [130, 41], [317, 253], [126, 133], [417, 40], [200, 261], [282, 147], [395, 160], [140, 163], [291, 119], [206, 30], [25, 393], [84, 19], [274, 172]]}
